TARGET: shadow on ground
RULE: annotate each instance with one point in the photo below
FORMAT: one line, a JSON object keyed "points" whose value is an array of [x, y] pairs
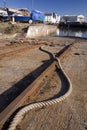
{"points": [[9, 95]]}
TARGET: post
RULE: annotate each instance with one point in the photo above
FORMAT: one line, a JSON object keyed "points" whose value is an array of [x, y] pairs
{"points": [[13, 19], [68, 29]]}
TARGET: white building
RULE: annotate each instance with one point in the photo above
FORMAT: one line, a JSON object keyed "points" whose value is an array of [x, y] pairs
{"points": [[80, 18], [73, 18], [52, 18]]}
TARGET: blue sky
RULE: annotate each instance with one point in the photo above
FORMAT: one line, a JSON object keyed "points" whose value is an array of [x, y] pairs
{"points": [[61, 7]]}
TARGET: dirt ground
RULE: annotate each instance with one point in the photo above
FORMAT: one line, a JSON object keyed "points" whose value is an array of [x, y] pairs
{"points": [[15, 66], [70, 114]]}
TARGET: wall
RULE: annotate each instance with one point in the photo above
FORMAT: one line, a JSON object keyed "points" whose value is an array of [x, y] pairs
{"points": [[40, 30], [50, 19]]}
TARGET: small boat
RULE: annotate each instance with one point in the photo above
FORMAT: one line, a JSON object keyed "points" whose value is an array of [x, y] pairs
{"points": [[22, 18], [17, 15]]}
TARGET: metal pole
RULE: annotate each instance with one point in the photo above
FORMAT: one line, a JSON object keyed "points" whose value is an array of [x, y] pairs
{"points": [[32, 4], [4, 3]]}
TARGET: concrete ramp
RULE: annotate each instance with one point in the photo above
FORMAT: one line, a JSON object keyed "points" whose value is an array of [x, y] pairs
{"points": [[40, 30]]}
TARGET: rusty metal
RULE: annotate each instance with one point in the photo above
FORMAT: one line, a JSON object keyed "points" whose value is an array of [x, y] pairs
{"points": [[18, 51], [7, 112]]}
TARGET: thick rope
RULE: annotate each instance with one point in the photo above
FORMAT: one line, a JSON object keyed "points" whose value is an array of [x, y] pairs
{"points": [[17, 119]]}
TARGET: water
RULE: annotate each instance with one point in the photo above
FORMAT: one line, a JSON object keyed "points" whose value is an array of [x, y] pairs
{"points": [[72, 32]]}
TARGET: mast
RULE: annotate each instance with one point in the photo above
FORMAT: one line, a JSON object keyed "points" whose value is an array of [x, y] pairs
{"points": [[4, 3], [32, 4]]}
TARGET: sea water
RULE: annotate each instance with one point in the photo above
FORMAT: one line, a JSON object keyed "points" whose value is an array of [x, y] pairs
{"points": [[73, 32]]}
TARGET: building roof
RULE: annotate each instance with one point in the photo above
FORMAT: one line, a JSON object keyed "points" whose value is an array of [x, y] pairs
{"points": [[81, 16], [48, 14], [74, 16]]}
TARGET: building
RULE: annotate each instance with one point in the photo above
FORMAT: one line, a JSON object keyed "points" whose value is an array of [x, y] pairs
{"points": [[72, 18], [52, 18], [81, 18]]}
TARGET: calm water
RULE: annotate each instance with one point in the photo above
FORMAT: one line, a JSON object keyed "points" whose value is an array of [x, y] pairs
{"points": [[72, 32]]}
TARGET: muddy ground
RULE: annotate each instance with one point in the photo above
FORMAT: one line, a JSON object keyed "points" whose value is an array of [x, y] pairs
{"points": [[70, 114]]}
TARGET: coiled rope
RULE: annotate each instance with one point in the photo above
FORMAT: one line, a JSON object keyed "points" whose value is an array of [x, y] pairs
{"points": [[19, 116]]}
